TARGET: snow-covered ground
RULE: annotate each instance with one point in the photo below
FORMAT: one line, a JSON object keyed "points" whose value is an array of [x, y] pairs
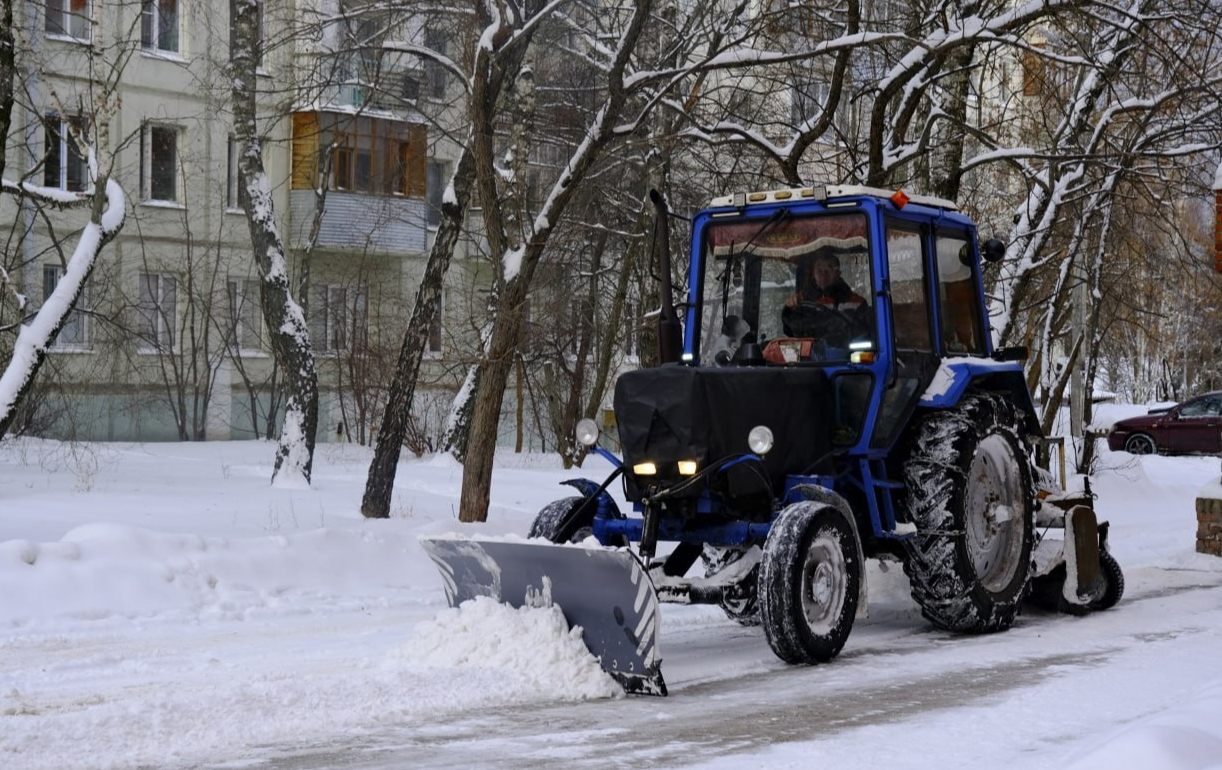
{"points": [[162, 606]]}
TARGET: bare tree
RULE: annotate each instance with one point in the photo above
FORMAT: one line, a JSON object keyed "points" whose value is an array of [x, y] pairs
{"points": [[104, 200], [286, 323]]}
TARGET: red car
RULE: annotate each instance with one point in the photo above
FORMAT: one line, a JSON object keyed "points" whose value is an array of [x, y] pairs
{"points": [[1193, 426]]}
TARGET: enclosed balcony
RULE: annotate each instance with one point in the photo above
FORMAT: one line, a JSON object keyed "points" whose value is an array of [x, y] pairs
{"points": [[374, 172]]}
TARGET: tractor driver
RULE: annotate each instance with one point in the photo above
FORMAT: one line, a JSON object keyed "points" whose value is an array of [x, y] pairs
{"points": [[825, 307]]}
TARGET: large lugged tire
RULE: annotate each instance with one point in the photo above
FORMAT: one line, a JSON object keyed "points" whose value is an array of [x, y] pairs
{"points": [[809, 579], [742, 605], [970, 493], [547, 522], [1113, 583], [1046, 592]]}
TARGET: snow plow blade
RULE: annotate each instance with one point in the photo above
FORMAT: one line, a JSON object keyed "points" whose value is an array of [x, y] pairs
{"points": [[605, 591]]}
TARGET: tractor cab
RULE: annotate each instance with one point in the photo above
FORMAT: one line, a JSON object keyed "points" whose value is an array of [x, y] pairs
{"points": [[870, 286]]}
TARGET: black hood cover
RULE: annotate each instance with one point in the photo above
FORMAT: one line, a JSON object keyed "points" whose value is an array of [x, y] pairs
{"points": [[678, 412]]}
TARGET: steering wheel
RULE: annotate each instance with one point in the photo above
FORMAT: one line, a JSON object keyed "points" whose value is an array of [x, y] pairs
{"points": [[814, 319]]}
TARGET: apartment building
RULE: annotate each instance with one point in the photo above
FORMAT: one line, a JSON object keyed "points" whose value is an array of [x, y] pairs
{"points": [[168, 341]]}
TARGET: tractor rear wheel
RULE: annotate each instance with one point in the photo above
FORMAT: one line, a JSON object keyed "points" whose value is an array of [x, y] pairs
{"points": [[970, 493], [809, 578]]}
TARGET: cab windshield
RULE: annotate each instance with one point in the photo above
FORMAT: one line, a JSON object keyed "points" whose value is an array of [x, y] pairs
{"points": [[795, 284]]}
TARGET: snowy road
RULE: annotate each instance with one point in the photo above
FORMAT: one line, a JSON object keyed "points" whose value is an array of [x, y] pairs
{"points": [[1005, 695], [162, 607]]}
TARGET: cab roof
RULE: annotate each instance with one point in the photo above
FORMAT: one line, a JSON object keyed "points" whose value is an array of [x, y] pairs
{"points": [[826, 193]]}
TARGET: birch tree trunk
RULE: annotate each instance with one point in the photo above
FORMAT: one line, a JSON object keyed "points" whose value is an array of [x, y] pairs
{"points": [[506, 327], [108, 213], [379, 485], [287, 330]]}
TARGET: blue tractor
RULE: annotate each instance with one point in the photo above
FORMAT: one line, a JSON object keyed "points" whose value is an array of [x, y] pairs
{"points": [[829, 392]]}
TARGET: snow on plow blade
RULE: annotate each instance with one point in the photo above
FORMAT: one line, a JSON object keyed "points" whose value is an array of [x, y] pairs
{"points": [[603, 590]]}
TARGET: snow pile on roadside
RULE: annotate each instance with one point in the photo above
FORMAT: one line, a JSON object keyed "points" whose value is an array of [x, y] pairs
{"points": [[530, 651], [1212, 490], [1187, 736], [103, 569]]}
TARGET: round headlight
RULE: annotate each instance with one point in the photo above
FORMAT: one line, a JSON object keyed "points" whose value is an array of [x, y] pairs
{"points": [[587, 432], [760, 439]]}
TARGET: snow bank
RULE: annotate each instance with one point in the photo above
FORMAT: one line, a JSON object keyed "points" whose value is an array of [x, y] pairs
{"points": [[1212, 490], [100, 570], [531, 652], [1187, 737]]}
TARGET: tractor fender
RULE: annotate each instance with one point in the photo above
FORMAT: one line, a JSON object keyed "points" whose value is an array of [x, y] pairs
{"points": [[956, 377], [828, 497], [589, 488]]}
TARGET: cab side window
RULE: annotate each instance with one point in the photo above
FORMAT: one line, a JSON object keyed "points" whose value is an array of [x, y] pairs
{"points": [[909, 305], [959, 309]]}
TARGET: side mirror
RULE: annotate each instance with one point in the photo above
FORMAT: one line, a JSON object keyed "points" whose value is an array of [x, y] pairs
{"points": [[993, 250], [1016, 353]]}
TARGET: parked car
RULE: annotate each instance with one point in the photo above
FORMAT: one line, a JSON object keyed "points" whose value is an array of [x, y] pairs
{"points": [[1194, 426]]}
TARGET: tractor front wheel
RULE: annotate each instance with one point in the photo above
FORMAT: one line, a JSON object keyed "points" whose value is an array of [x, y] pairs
{"points": [[549, 521], [741, 600], [809, 579], [970, 493]]}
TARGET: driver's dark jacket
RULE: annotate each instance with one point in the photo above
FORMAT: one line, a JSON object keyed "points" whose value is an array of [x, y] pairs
{"points": [[838, 296]]}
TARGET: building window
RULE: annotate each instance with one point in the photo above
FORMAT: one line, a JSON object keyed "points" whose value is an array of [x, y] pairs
{"points": [[69, 18], [64, 166], [370, 158], [231, 176], [157, 311], [808, 101], [366, 155], [74, 334], [159, 25], [259, 36], [438, 179], [435, 328], [338, 318], [435, 74], [245, 317], [159, 162]]}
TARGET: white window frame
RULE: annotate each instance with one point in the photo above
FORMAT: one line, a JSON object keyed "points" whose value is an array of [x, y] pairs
{"points": [[246, 315], [437, 171], [77, 318], [338, 312], [231, 179], [146, 163], [156, 330], [66, 18], [67, 149], [434, 343], [436, 76], [809, 100], [151, 31]]}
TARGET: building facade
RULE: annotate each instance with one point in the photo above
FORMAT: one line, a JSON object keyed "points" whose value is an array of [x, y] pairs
{"points": [[167, 342]]}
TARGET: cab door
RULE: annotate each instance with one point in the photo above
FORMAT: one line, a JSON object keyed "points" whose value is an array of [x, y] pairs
{"points": [[912, 341]]}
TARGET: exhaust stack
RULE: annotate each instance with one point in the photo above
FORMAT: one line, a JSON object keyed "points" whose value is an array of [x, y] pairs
{"points": [[670, 331]]}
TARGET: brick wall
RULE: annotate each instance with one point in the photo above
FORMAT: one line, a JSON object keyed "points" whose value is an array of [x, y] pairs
{"points": [[1209, 526]]}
